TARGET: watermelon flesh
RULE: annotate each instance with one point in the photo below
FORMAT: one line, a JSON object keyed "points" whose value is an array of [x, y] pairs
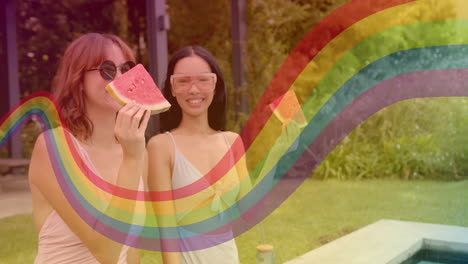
{"points": [[136, 85]]}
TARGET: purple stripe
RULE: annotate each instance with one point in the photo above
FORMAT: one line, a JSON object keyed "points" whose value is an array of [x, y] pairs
{"points": [[436, 83]]}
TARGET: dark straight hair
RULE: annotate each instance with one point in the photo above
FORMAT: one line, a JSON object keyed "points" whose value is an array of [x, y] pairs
{"points": [[216, 111]]}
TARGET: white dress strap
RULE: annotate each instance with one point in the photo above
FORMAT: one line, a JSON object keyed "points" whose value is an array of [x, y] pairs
{"points": [[172, 138], [226, 139]]}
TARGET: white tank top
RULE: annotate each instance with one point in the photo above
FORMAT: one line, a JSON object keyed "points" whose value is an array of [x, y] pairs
{"points": [[59, 244], [185, 173]]}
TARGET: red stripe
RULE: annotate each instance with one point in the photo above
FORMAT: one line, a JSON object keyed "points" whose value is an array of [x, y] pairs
{"points": [[315, 40], [327, 29]]}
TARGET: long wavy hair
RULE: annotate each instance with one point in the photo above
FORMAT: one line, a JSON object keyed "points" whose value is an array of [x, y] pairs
{"points": [[86, 52], [217, 109]]}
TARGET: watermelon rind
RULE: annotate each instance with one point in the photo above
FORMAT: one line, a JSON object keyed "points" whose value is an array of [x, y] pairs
{"points": [[113, 92], [154, 108], [123, 99]]}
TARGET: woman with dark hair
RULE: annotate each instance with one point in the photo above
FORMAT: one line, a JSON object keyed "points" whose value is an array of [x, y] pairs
{"points": [[194, 143], [105, 134], [216, 110]]}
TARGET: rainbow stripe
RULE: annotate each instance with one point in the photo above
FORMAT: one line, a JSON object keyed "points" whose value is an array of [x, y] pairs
{"points": [[366, 55]]}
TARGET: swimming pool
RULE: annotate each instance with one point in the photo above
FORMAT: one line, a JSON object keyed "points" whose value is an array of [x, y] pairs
{"points": [[431, 256], [394, 242]]}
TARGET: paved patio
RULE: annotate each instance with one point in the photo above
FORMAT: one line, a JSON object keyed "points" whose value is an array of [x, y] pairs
{"points": [[15, 197]]}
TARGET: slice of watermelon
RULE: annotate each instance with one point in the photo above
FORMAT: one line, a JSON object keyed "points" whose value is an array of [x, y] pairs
{"points": [[138, 86], [287, 108]]}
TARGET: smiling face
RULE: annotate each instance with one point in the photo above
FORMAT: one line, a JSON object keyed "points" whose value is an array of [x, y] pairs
{"points": [[94, 85], [80, 92], [193, 101]]}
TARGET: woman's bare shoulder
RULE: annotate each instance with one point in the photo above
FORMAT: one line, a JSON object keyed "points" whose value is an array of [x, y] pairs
{"points": [[40, 168], [160, 160], [42, 142], [161, 143], [232, 136]]}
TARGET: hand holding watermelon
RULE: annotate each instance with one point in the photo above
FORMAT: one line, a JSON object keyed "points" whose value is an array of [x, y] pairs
{"points": [[129, 130], [136, 85]]}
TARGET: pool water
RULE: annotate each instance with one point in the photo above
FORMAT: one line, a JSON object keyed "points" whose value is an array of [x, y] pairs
{"points": [[429, 256]]}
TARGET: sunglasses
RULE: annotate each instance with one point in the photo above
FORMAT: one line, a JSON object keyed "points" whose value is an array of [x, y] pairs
{"points": [[108, 70], [183, 82]]}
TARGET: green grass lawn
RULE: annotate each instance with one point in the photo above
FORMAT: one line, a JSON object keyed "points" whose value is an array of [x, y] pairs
{"points": [[317, 213]]}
